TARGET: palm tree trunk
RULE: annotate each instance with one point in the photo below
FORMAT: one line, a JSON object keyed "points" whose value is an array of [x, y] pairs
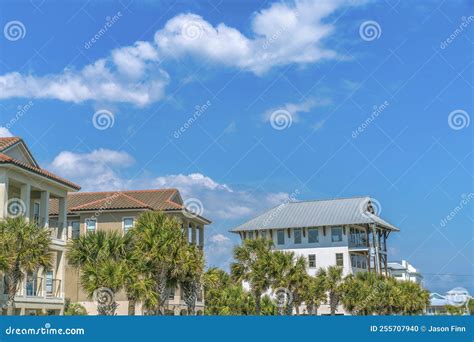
{"points": [[257, 303], [161, 283], [131, 306], [13, 280]]}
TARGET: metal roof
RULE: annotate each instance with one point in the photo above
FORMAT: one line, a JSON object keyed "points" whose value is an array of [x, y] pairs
{"points": [[333, 212]]}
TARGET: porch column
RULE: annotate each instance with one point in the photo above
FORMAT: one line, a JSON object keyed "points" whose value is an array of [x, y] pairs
{"points": [[25, 196], [60, 275], [44, 208], [3, 196], [62, 217]]}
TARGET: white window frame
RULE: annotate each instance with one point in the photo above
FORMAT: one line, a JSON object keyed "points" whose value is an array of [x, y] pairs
{"points": [[123, 223], [283, 234], [87, 224], [309, 262], [72, 226], [300, 230], [37, 219], [342, 259], [332, 236], [316, 229]]}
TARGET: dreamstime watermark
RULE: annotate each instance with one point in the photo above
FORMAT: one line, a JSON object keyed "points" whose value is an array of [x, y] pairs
{"points": [[21, 111], [14, 30], [103, 119], [377, 110], [281, 119], [466, 21], [46, 330], [276, 35], [103, 296], [193, 208], [277, 211], [14, 207], [465, 200], [192, 30], [109, 22], [282, 297], [370, 207], [199, 110], [458, 119], [370, 30]]}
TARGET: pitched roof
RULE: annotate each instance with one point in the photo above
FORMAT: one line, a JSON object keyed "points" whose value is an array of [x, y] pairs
{"points": [[156, 199], [5, 143], [333, 212]]}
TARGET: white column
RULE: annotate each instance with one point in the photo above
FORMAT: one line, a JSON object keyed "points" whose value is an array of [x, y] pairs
{"points": [[3, 196], [61, 271], [25, 196], [62, 217], [44, 208]]}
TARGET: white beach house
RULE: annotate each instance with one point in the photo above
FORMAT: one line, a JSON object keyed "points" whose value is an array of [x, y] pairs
{"points": [[344, 232]]}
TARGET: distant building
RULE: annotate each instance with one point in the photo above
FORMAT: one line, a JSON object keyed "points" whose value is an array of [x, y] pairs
{"points": [[458, 296], [405, 271]]}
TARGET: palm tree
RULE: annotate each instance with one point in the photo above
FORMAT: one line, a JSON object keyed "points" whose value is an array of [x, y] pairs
{"points": [[159, 241], [314, 293], [223, 297], [252, 264], [100, 258], [413, 298], [138, 286], [190, 272], [24, 247], [333, 281]]}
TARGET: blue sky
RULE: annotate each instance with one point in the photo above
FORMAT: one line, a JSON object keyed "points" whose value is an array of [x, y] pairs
{"points": [[241, 103]]}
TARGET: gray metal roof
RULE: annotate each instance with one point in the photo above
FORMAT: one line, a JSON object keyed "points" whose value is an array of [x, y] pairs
{"points": [[333, 212]]}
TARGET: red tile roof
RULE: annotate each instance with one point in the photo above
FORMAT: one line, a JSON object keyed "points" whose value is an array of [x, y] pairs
{"points": [[157, 199], [4, 159], [7, 142]]}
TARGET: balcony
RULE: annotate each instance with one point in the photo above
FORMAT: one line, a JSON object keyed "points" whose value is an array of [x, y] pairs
{"points": [[37, 290], [58, 231]]}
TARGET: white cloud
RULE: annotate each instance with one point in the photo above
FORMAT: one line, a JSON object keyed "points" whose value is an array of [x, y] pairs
{"points": [[5, 132], [295, 109], [220, 200], [219, 238], [131, 75], [94, 171], [284, 33]]}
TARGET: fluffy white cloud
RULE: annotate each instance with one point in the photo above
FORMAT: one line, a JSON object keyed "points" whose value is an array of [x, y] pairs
{"points": [[131, 74], [284, 33], [5, 132], [94, 171], [219, 200]]}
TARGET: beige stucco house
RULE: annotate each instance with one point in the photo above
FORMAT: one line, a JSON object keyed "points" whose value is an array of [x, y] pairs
{"points": [[108, 211], [26, 189]]}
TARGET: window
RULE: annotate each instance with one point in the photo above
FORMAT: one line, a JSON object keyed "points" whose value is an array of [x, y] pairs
{"points": [[312, 260], [91, 225], [251, 235], [127, 224], [297, 235], [170, 293], [336, 234], [31, 284], [36, 212], [280, 237], [49, 283], [75, 229], [264, 234], [313, 235], [339, 259]]}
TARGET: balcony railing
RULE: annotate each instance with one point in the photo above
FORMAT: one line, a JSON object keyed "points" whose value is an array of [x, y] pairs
{"points": [[38, 287], [58, 229]]}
